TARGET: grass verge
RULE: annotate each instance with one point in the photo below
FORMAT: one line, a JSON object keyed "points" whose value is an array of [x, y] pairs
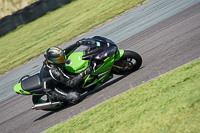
{"points": [[56, 28], [168, 104], [7, 7]]}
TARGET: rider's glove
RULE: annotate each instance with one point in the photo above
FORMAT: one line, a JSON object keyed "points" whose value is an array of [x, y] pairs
{"points": [[88, 70], [85, 42], [80, 42]]}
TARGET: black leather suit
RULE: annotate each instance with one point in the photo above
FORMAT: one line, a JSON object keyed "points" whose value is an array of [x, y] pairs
{"points": [[58, 84]]}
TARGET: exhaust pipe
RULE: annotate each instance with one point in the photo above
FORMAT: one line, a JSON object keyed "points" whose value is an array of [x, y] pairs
{"points": [[45, 105]]}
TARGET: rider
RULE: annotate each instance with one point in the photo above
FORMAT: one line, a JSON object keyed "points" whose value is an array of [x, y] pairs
{"points": [[52, 71]]}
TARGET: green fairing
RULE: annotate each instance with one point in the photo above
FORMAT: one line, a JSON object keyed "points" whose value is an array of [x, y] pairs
{"points": [[18, 88], [120, 54], [103, 74], [77, 64]]}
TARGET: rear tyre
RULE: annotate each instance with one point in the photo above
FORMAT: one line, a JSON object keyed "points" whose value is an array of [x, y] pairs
{"points": [[130, 62], [36, 99]]}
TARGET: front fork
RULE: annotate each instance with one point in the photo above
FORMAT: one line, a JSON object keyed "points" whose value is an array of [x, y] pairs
{"points": [[119, 55]]}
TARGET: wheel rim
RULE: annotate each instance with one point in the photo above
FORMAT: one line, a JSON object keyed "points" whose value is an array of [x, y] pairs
{"points": [[125, 66], [128, 64], [43, 99]]}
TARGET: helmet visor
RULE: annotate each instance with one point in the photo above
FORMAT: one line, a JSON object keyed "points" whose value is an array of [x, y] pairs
{"points": [[58, 60]]}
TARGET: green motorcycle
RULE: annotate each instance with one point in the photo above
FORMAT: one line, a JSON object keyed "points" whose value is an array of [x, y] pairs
{"points": [[106, 60]]}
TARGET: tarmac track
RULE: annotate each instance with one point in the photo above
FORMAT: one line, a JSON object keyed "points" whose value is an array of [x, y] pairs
{"points": [[164, 46]]}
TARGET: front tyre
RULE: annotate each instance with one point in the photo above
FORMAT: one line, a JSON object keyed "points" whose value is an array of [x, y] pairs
{"points": [[130, 62], [37, 99]]}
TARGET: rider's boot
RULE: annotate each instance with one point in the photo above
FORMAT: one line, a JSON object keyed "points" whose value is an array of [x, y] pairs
{"points": [[70, 97]]}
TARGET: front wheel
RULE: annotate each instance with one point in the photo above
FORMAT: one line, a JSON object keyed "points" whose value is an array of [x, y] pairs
{"points": [[130, 62], [37, 99]]}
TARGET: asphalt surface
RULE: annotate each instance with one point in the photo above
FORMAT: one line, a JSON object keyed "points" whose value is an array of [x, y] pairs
{"points": [[165, 37]]}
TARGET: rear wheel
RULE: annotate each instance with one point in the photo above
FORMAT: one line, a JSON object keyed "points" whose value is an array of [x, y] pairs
{"points": [[130, 62], [37, 99]]}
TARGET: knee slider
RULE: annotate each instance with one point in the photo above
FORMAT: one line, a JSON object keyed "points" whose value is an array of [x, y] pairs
{"points": [[73, 96]]}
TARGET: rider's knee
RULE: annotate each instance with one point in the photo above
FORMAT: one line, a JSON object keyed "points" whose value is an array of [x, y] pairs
{"points": [[73, 96]]}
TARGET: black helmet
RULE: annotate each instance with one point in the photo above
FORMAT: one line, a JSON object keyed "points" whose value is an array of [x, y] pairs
{"points": [[55, 55]]}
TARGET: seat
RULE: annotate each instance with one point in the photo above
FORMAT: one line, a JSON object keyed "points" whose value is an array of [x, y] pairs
{"points": [[31, 83]]}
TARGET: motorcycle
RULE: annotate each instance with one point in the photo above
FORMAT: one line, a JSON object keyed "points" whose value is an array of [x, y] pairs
{"points": [[106, 60]]}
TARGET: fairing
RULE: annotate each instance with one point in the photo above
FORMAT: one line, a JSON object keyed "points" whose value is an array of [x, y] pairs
{"points": [[19, 90], [75, 64], [119, 54]]}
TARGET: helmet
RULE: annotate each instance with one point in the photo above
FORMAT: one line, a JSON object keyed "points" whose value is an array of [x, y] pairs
{"points": [[55, 55]]}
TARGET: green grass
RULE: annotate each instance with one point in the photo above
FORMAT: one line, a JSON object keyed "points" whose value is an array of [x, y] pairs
{"points": [[57, 27], [168, 104]]}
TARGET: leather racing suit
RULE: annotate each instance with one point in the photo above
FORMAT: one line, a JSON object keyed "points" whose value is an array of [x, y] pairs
{"points": [[58, 84]]}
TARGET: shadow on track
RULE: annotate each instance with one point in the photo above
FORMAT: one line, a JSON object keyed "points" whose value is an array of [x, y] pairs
{"points": [[101, 87], [52, 112], [106, 85], [84, 96]]}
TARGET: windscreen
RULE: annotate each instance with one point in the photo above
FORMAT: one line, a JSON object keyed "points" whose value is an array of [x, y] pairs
{"points": [[81, 48]]}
